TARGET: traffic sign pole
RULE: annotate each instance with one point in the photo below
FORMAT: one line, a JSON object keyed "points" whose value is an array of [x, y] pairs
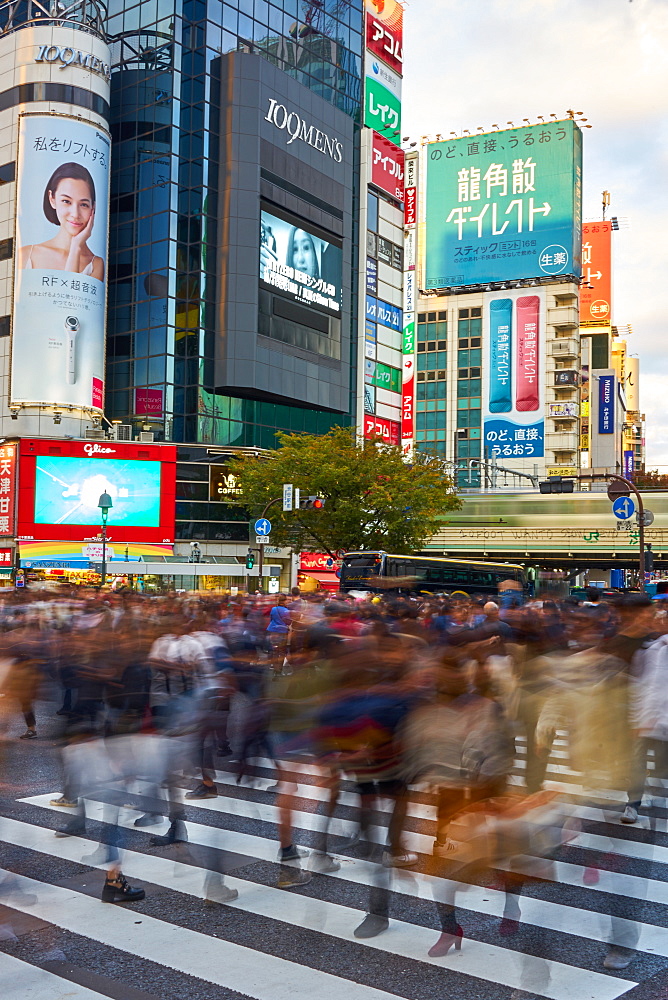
{"points": [[620, 487]]}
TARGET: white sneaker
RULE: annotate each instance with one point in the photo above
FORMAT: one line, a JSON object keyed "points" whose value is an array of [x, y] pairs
{"points": [[405, 860], [323, 864], [630, 815]]}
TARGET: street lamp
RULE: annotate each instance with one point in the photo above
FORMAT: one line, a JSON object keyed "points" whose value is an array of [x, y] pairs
{"points": [[105, 503]]}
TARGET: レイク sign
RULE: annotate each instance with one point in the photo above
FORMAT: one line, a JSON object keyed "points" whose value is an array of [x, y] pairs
{"points": [[297, 128]]}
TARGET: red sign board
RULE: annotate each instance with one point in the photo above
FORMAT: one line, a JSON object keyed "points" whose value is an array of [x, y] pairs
{"points": [[388, 430], [318, 562], [7, 489], [408, 397], [79, 467], [6, 557], [387, 167], [410, 206], [596, 301], [385, 31]]}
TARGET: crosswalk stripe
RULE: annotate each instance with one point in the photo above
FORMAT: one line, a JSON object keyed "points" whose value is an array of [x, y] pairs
{"points": [[479, 899], [22, 981], [231, 966], [479, 960]]}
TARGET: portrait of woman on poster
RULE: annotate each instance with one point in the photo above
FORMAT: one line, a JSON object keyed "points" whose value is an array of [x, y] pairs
{"points": [[69, 203]]}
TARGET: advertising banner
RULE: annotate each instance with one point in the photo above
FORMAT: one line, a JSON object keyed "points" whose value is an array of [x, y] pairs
{"points": [[387, 167], [148, 402], [410, 206], [62, 206], [388, 430], [382, 109], [629, 465], [565, 409], [7, 488], [596, 287], [606, 404], [383, 376], [60, 484], [384, 31], [300, 265], [384, 313], [371, 276], [506, 205], [408, 383], [513, 383], [369, 399]]}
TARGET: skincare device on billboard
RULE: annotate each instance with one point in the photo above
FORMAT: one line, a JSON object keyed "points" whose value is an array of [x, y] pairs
{"points": [[500, 338], [526, 392], [72, 327]]}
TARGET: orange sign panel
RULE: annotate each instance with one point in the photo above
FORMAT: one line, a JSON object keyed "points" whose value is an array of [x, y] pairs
{"points": [[596, 289]]}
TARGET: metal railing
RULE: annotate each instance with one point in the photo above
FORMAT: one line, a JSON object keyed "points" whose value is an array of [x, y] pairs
{"points": [[84, 15]]}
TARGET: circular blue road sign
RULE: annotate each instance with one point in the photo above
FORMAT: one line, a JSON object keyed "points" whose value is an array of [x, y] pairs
{"points": [[624, 508], [262, 526]]}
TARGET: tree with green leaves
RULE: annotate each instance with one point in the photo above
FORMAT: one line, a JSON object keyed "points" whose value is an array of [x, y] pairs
{"points": [[373, 498]]}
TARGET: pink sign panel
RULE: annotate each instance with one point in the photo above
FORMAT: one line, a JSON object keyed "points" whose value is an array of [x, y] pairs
{"points": [[97, 394], [148, 402]]}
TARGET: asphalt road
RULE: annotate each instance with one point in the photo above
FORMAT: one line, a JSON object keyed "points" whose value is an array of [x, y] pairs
{"points": [[59, 940]]}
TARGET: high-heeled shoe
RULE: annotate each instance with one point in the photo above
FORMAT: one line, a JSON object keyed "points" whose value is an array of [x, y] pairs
{"points": [[445, 943]]}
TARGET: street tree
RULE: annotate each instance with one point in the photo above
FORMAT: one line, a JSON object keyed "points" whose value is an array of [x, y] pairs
{"points": [[373, 498]]}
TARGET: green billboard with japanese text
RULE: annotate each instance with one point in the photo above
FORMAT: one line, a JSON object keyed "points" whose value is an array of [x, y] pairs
{"points": [[504, 206]]}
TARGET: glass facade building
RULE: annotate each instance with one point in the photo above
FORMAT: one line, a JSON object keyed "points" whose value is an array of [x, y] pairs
{"points": [[167, 118]]}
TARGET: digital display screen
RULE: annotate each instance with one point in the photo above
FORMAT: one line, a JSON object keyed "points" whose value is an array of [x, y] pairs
{"points": [[67, 491], [300, 265]]}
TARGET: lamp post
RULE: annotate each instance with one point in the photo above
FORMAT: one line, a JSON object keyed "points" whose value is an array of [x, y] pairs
{"points": [[105, 503]]}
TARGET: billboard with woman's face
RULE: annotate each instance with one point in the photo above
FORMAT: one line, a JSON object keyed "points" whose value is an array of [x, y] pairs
{"points": [[62, 204], [302, 266]]}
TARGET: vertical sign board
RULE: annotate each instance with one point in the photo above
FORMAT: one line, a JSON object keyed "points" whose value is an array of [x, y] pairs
{"points": [[384, 32], [7, 489], [513, 389], [629, 465], [504, 206], [382, 101], [606, 404], [387, 166], [62, 206], [408, 346], [596, 288]]}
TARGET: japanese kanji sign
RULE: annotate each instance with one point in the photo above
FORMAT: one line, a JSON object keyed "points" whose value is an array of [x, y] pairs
{"points": [[596, 291], [504, 205], [512, 388], [7, 488]]}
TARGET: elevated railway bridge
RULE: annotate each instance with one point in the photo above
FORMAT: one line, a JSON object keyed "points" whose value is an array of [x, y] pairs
{"points": [[569, 532]]}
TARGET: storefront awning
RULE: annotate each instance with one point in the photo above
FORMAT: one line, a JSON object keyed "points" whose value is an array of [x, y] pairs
{"points": [[79, 555]]}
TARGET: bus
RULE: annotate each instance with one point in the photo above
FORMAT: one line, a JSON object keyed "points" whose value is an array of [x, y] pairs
{"points": [[383, 571]]}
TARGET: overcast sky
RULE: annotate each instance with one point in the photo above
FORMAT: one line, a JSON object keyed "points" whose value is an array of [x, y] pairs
{"points": [[474, 62]]}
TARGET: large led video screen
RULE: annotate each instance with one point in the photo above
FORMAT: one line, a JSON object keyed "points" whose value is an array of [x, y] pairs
{"points": [[299, 264], [67, 491]]}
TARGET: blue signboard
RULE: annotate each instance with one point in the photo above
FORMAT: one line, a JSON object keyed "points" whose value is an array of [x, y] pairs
{"points": [[624, 508], [629, 464], [384, 313], [606, 404], [504, 205], [505, 439], [371, 276], [262, 526]]}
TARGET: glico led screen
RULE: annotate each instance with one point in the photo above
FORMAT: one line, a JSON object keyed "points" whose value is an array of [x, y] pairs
{"points": [[67, 491], [300, 265]]}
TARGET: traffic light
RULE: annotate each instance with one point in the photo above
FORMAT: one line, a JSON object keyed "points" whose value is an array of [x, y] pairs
{"points": [[250, 559], [312, 503], [649, 559], [556, 484]]}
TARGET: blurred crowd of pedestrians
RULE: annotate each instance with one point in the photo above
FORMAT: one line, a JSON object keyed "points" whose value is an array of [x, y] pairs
{"points": [[445, 695]]}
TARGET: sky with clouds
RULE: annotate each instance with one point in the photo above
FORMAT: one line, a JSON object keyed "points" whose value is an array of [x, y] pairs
{"points": [[475, 62]]}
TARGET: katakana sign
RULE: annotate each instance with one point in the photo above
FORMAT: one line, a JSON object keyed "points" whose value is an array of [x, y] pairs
{"points": [[504, 205]]}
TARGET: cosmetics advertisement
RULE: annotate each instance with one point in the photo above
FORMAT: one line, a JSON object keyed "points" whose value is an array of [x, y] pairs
{"points": [[513, 374], [62, 204], [504, 205]]}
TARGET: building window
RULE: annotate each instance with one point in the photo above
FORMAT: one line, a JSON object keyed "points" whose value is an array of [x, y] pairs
{"points": [[6, 249]]}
